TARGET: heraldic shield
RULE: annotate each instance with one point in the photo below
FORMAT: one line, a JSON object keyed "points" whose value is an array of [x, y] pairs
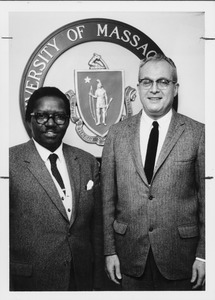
{"points": [[100, 96]]}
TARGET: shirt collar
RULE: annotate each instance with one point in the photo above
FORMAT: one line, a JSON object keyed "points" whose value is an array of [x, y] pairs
{"points": [[162, 121], [44, 153]]}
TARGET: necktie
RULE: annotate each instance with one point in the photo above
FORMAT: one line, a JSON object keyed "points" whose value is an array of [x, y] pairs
{"points": [[151, 151], [53, 157]]}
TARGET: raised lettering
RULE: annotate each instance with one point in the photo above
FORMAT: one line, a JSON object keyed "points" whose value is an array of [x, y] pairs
{"points": [[73, 35], [26, 91], [33, 74], [102, 30], [26, 101], [116, 32], [38, 63], [45, 59], [136, 39], [31, 86], [69, 35], [80, 31], [144, 47], [127, 34], [151, 52], [54, 44], [44, 50]]}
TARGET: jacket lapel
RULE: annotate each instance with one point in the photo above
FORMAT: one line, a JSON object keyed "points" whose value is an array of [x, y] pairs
{"points": [[174, 132], [37, 167], [134, 143], [73, 168]]}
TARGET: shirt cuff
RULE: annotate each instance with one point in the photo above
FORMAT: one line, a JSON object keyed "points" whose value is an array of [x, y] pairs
{"points": [[200, 259]]}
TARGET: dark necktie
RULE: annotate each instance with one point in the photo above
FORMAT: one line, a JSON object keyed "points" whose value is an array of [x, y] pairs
{"points": [[151, 151], [53, 157]]}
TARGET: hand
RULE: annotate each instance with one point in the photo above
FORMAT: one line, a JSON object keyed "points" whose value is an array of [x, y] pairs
{"points": [[198, 274], [112, 268]]}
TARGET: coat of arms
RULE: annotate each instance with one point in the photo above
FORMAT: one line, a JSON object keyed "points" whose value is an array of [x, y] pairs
{"points": [[100, 100]]}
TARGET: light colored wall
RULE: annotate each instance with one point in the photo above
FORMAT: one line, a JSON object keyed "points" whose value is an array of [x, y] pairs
{"points": [[177, 34]]}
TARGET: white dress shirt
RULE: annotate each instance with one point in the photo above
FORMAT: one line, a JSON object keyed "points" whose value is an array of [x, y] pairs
{"points": [[61, 165], [145, 129]]}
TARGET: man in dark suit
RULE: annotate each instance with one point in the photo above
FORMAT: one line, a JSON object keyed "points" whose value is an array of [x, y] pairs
{"points": [[55, 205], [153, 190]]}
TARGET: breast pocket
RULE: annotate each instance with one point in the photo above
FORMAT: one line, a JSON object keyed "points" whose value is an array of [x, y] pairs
{"points": [[184, 160], [184, 169]]}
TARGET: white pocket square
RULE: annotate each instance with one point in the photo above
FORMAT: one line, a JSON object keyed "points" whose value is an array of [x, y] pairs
{"points": [[90, 184]]}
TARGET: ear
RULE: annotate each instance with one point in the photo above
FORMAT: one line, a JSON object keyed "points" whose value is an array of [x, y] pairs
{"points": [[138, 87], [67, 122], [176, 89], [29, 124]]}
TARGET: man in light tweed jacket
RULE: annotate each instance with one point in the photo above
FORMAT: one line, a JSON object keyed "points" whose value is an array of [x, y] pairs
{"points": [[55, 231], [154, 235]]}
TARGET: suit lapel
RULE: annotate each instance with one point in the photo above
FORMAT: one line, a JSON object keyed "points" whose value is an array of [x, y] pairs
{"points": [[37, 167], [73, 168], [174, 132], [134, 143]]}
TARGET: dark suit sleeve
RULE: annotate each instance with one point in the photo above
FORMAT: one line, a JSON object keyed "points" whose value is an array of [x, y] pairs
{"points": [[109, 193], [97, 232], [200, 180]]}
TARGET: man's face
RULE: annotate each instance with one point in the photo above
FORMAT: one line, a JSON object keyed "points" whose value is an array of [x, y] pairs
{"points": [[157, 102], [48, 135]]}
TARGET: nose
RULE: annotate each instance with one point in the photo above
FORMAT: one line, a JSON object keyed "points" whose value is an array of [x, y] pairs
{"points": [[154, 87], [50, 121]]}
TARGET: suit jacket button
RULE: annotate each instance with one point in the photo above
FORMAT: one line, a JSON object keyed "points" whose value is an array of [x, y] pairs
{"points": [[150, 229], [68, 234], [151, 197]]}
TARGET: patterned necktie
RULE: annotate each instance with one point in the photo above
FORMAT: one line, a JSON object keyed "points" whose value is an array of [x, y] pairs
{"points": [[151, 151], [53, 157]]}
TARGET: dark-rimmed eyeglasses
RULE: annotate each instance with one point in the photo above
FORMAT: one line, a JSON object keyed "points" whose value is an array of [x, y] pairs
{"points": [[42, 118], [162, 83]]}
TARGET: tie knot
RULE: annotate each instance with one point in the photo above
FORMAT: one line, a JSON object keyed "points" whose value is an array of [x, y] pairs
{"points": [[155, 124], [53, 157]]}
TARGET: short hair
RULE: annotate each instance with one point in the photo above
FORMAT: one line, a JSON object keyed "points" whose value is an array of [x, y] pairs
{"points": [[159, 57], [42, 92]]}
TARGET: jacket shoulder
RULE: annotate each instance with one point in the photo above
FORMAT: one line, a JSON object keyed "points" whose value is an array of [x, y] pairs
{"points": [[191, 122], [18, 150], [124, 124], [79, 153]]}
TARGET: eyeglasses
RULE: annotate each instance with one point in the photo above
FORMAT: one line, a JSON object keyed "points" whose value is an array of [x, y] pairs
{"points": [[42, 118], [162, 83]]}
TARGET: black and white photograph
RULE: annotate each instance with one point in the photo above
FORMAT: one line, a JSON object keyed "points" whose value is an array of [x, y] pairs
{"points": [[107, 154]]}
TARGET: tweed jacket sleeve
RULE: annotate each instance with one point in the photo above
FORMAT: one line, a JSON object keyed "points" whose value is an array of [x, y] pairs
{"points": [[109, 192], [200, 180]]}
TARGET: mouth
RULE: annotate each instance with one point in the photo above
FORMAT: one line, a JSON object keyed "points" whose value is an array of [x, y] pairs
{"points": [[50, 134], [154, 98]]}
